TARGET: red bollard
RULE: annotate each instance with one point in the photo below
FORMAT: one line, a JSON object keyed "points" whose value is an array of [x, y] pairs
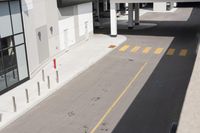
{"points": [[54, 63]]}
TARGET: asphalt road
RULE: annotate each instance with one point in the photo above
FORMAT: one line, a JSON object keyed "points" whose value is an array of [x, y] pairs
{"points": [[159, 103], [137, 88]]}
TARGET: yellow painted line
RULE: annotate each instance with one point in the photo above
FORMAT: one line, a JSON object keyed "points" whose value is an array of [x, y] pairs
{"points": [[124, 48], [118, 99], [158, 51], [171, 51], [146, 50], [135, 49], [183, 52]]}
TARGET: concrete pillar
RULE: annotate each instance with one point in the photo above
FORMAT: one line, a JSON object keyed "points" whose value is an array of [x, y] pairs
{"points": [[113, 19], [175, 4], [130, 15], [171, 5], [98, 11], [126, 7], [160, 6], [105, 5], [137, 13]]}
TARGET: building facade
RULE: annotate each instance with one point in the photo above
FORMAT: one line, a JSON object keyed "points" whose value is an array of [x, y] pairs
{"points": [[33, 32]]}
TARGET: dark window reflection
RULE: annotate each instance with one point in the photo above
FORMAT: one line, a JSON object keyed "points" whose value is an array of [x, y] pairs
{"points": [[9, 74]]}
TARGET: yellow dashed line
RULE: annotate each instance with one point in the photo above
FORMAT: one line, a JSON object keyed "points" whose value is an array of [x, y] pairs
{"points": [[183, 52], [114, 104], [135, 49], [171, 51], [158, 51], [124, 48], [146, 50]]}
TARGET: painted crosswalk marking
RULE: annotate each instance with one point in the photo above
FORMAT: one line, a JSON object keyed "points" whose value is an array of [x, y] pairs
{"points": [[158, 51], [183, 52], [171, 51], [135, 49], [146, 50], [124, 48]]}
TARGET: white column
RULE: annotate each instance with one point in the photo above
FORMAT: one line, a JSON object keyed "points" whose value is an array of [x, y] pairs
{"points": [[113, 19], [160, 6], [105, 5], [98, 11], [130, 15], [137, 13], [126, 7], [175, 4]]}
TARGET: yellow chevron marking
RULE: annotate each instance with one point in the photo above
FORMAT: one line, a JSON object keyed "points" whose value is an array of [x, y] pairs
{"points": [[171, 51], [124, 48], [135, 49], [183, 52], [146, 50], [158, 51]]}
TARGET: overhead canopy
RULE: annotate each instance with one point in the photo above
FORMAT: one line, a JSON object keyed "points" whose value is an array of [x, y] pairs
{"points": [[65, 3]]}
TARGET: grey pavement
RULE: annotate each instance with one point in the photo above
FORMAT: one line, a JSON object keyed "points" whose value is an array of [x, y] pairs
{"points": [[159, 103], [151, 103]]}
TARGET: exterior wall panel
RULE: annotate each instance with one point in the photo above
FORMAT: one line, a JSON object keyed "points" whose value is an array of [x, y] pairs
{"points": [[38, 14], [85, 16], [73, 20]]}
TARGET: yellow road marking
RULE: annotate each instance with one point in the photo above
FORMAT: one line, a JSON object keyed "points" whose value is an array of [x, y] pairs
{"points": [[118, 98], [146, 50], [171, 51], [124, 48], [183, 52], [158, 51], [135, 49]]}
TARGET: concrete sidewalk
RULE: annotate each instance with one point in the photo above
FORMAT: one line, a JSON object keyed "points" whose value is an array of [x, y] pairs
{"points": [[190, 116], [69, 65]]}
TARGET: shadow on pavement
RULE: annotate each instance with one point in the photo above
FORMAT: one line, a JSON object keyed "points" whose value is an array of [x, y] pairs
{"points": [[159, 103]]}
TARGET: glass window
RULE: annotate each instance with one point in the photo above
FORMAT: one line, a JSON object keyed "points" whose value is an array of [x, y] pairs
{"points": [[6, 42], [5, 22], [2, 82], [9, 59], [13, 60], [12, 77], [2, 76], [22, 62], [16, 17], [10, 66], [19, 39]]}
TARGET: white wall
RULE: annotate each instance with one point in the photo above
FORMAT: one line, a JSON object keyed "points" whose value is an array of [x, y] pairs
{"points": [[38, 14], [27, 5], [74, 22], [67, 24], [160, 6], [85, 14]]}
